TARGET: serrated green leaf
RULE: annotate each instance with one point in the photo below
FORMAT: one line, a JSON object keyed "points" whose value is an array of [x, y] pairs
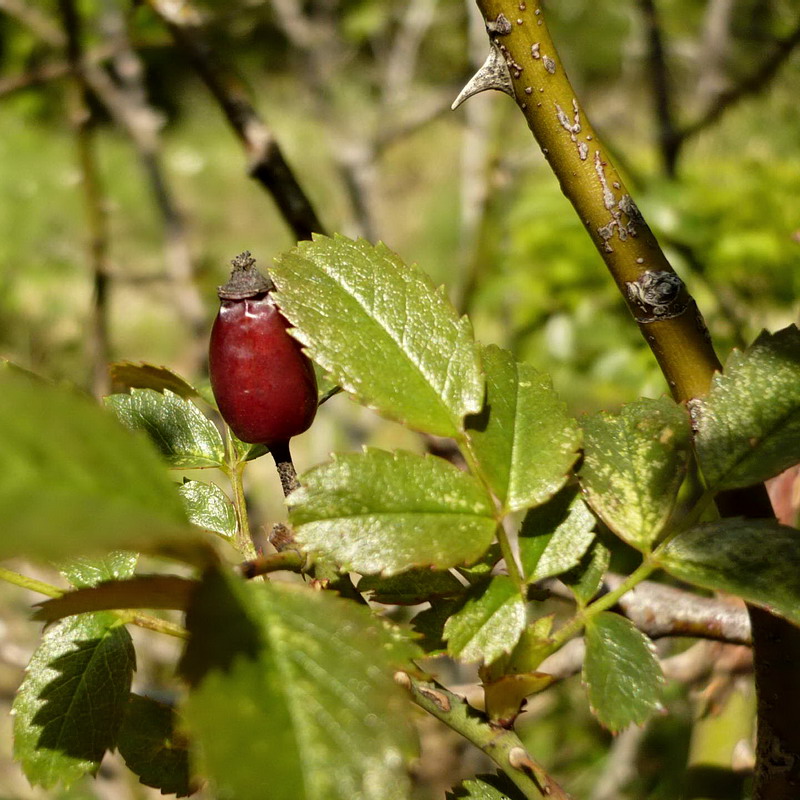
{"points": [[382, 331], [554, 537], [75, 481], [486, 787], [185, 437], [585, 580], [153, 747], [378, 512], [756, 559], [621, 672], [127, 375], [84, 571], [70, 706], [634, 464], [411, 587], [207, 506], [308, 691], [489, 624], [524, 440], [748, 426]]}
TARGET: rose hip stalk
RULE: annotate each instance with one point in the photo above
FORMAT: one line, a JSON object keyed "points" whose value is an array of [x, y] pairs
{"points": [[263, 383]]}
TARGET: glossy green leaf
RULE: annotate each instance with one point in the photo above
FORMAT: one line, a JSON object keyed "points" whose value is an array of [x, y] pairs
{"points": [[84, 571], [127, 375], [756, 559], [153, 746], [411, 587], [70, 706], [554, 537], [621, 673], [524, 440], [300, 682], [75, 481], [634, 463], [748, 426], [586, 579], [486, 787], [379, 512], [382, 331], [489, 624], [185, 437], [207, 506]]}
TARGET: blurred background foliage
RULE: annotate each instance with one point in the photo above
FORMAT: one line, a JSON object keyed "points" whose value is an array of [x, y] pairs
{"points": [[357, 93]]}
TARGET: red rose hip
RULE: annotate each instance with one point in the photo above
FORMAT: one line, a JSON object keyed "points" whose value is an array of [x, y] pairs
{"points": [[263, 383]]}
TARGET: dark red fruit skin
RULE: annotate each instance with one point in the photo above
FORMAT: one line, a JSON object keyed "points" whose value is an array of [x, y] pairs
{"points": [[264, 385]]}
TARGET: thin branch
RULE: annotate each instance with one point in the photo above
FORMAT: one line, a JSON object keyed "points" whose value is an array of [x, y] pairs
{"points": [[503, 746], [401, 60], [752, 84], [34, 19], [128, 103], [94, 199], [620, 768], [267, 164], [321, 49], [660, 610], [713, 49], [669, 144], [475, 178], [44, 73], [287, 560]]}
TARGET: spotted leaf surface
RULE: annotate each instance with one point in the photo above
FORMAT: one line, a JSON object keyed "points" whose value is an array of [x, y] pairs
{"points": [[748, 426], [634, 464]]}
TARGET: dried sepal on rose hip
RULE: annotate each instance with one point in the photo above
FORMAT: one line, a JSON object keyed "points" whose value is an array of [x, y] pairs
{"points": [[263, 383]]}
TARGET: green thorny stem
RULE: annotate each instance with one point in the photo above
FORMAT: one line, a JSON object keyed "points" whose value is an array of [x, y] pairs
{"points": [[502, 746], [667, 316], [126, 617]]}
